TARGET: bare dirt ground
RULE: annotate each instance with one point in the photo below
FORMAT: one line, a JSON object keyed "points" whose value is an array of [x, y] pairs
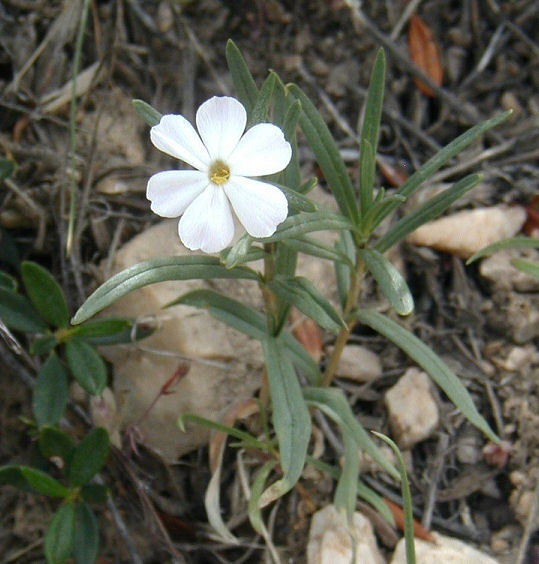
{"points": [[171, 54]]}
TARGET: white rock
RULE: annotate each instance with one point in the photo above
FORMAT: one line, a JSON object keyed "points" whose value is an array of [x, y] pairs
{"points": [[359, 363], [466, 232], [413, 412], [447, 550], [503, 274], [330, 542]]}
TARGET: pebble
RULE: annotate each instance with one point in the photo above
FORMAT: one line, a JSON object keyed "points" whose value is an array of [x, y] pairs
{"points": [[359, 364]]}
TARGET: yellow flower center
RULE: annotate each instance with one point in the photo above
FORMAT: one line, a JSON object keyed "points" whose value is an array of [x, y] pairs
{"points": [[219, 173]]}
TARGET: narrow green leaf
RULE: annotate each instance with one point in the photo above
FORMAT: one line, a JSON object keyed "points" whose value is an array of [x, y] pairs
{"points": [[8, 249], [43, 483], [43, 345], [367, 168], [153, 271], [50, 392], [89, 457], [346, 246], [307, 186], [427, 212], [146, 112], [241, 77], [291, 419], [60, 535], [263, 100], [346, 491], [45, 294], [247, 439], [327, 155], [378, 209], [132, 331], [86, 542], [527, 266], [87, 366], [407, 500], [301, 293], [95, 493], [303, 223], [249, 322], [7, 282], [100, 328], [313, 247], [297, 202], [18, 314], [431, 363], [239, 253], [291, 119], [511, 243], [12, 476], [443, 156], [257, 489], [54, 442], [389, 279], [333, 402]]}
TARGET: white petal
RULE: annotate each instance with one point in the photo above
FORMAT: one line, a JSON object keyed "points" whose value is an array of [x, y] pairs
{"points": [[171, 191], [221, 121], [207, 223], [175, 136], [259, 206], [262, 150]]}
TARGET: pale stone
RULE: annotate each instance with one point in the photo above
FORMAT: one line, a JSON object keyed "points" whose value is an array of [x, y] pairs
{"points": [[445, 550], [225, 365], [330, 541], [413, 412], [466, 232], [503, 274], [359, 363]]}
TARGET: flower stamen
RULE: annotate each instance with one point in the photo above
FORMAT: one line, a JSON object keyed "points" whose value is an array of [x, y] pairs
{"points": [[219, 173]]}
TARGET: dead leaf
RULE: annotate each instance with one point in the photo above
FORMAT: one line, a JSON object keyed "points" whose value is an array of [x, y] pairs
{"points": [[307, 333], [398, 514], [424, 53]]}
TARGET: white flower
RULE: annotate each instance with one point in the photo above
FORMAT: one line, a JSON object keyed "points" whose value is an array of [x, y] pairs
{"points": [[224, 157]]}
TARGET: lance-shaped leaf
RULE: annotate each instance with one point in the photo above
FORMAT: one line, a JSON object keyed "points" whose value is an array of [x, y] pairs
{"points": [[257, 489], [441, 157], [17, 313], [301, 293], [7, 282], [241, 77], [346, 491], [291, 419], [153, 271], [297, 202], [334, 404], [26, 477], [327, 155], [369, 132], [50, 392], [313, 247], [60, 535], [343, 272], [390, 280], [427, 211], [87, 367], [511, 243], [527, 266], [149, 114], [296, 225], [89, 457], [431, 363], [45, 294], [250, 322], [263, 101]]}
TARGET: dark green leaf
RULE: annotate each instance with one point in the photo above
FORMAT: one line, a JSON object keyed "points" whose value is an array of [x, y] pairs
{"points": [[43, 483], [427, 212], [431, 363], [7, 168], [86, 366], [291, 419], [7, 282], [101, 328], [86, 543], [89, 457], [346, 246], [18, 314], [263, 100], [241, 77], [50, 392], [390, 280], [95, 493], [12, 476], [249, 322], [367, 169], [150, 115], [153, 271], [327, 155], [54, 442], [60, 535], [43, 345], [45, 294], [132, 331], [301, 293], [8, 249]]}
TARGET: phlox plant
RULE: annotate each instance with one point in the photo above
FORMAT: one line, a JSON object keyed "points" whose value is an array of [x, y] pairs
{"points": [[279, 218]]}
